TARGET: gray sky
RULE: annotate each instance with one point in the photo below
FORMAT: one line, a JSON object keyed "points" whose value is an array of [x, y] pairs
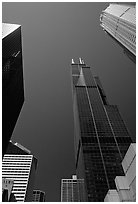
{"points": [[53, 34]]}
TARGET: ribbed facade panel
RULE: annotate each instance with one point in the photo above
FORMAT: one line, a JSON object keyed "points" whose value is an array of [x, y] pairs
{"points": [[120, 22]]}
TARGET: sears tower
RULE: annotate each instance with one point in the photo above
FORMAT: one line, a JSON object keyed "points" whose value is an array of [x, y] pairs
{"points": [[101, 137]]}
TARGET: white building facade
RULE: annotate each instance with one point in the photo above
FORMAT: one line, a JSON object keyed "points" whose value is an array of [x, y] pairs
{"points": [[21, 169], [72, 190], [119, 20]]}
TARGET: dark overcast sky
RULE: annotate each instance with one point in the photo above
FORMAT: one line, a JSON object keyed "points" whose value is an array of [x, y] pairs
{"points": [[53, 34]]}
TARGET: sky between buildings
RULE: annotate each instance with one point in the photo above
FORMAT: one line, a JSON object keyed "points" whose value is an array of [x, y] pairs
{"points": [[53, 34]]}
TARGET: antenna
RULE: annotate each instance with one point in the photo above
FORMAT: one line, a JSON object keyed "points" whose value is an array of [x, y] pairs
{"points": [[72, 61], [80, 60]]}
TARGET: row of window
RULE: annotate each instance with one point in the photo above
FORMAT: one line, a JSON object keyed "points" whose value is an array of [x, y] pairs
{"points": [[120, 21], [17, 160], [20, 182], [19, 177], [18, 189], [20, 186], [120, 39], [19, 163], [11, 168], [17, 156], [15, 170], [9, 173], [126, 43]]}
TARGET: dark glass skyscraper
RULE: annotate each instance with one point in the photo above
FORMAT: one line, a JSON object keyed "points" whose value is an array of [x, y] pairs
{"points": [[12, 80], [101, 137]]}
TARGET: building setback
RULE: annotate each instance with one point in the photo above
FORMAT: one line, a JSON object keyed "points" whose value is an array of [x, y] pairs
{"points": [[101, 137], [125, 185], [20, 165], [119, 21], [12, 80], [38, 196], [72, 190]]}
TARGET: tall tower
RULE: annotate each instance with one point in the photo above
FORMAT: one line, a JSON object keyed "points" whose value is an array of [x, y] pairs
{"points": [[119, 21], [20, 165], [12, 80], [72, 190], [38, 196], [101, 137]]}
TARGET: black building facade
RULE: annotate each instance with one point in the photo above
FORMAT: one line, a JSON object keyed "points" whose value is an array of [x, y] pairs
{"points": [[101, 137], [12, 80]]}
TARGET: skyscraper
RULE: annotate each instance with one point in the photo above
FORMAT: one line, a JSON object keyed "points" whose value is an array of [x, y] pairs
{"points": [[20, 165], [12, 80], [119, 21], [101, 137], [38, 196], [72, 190]]}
